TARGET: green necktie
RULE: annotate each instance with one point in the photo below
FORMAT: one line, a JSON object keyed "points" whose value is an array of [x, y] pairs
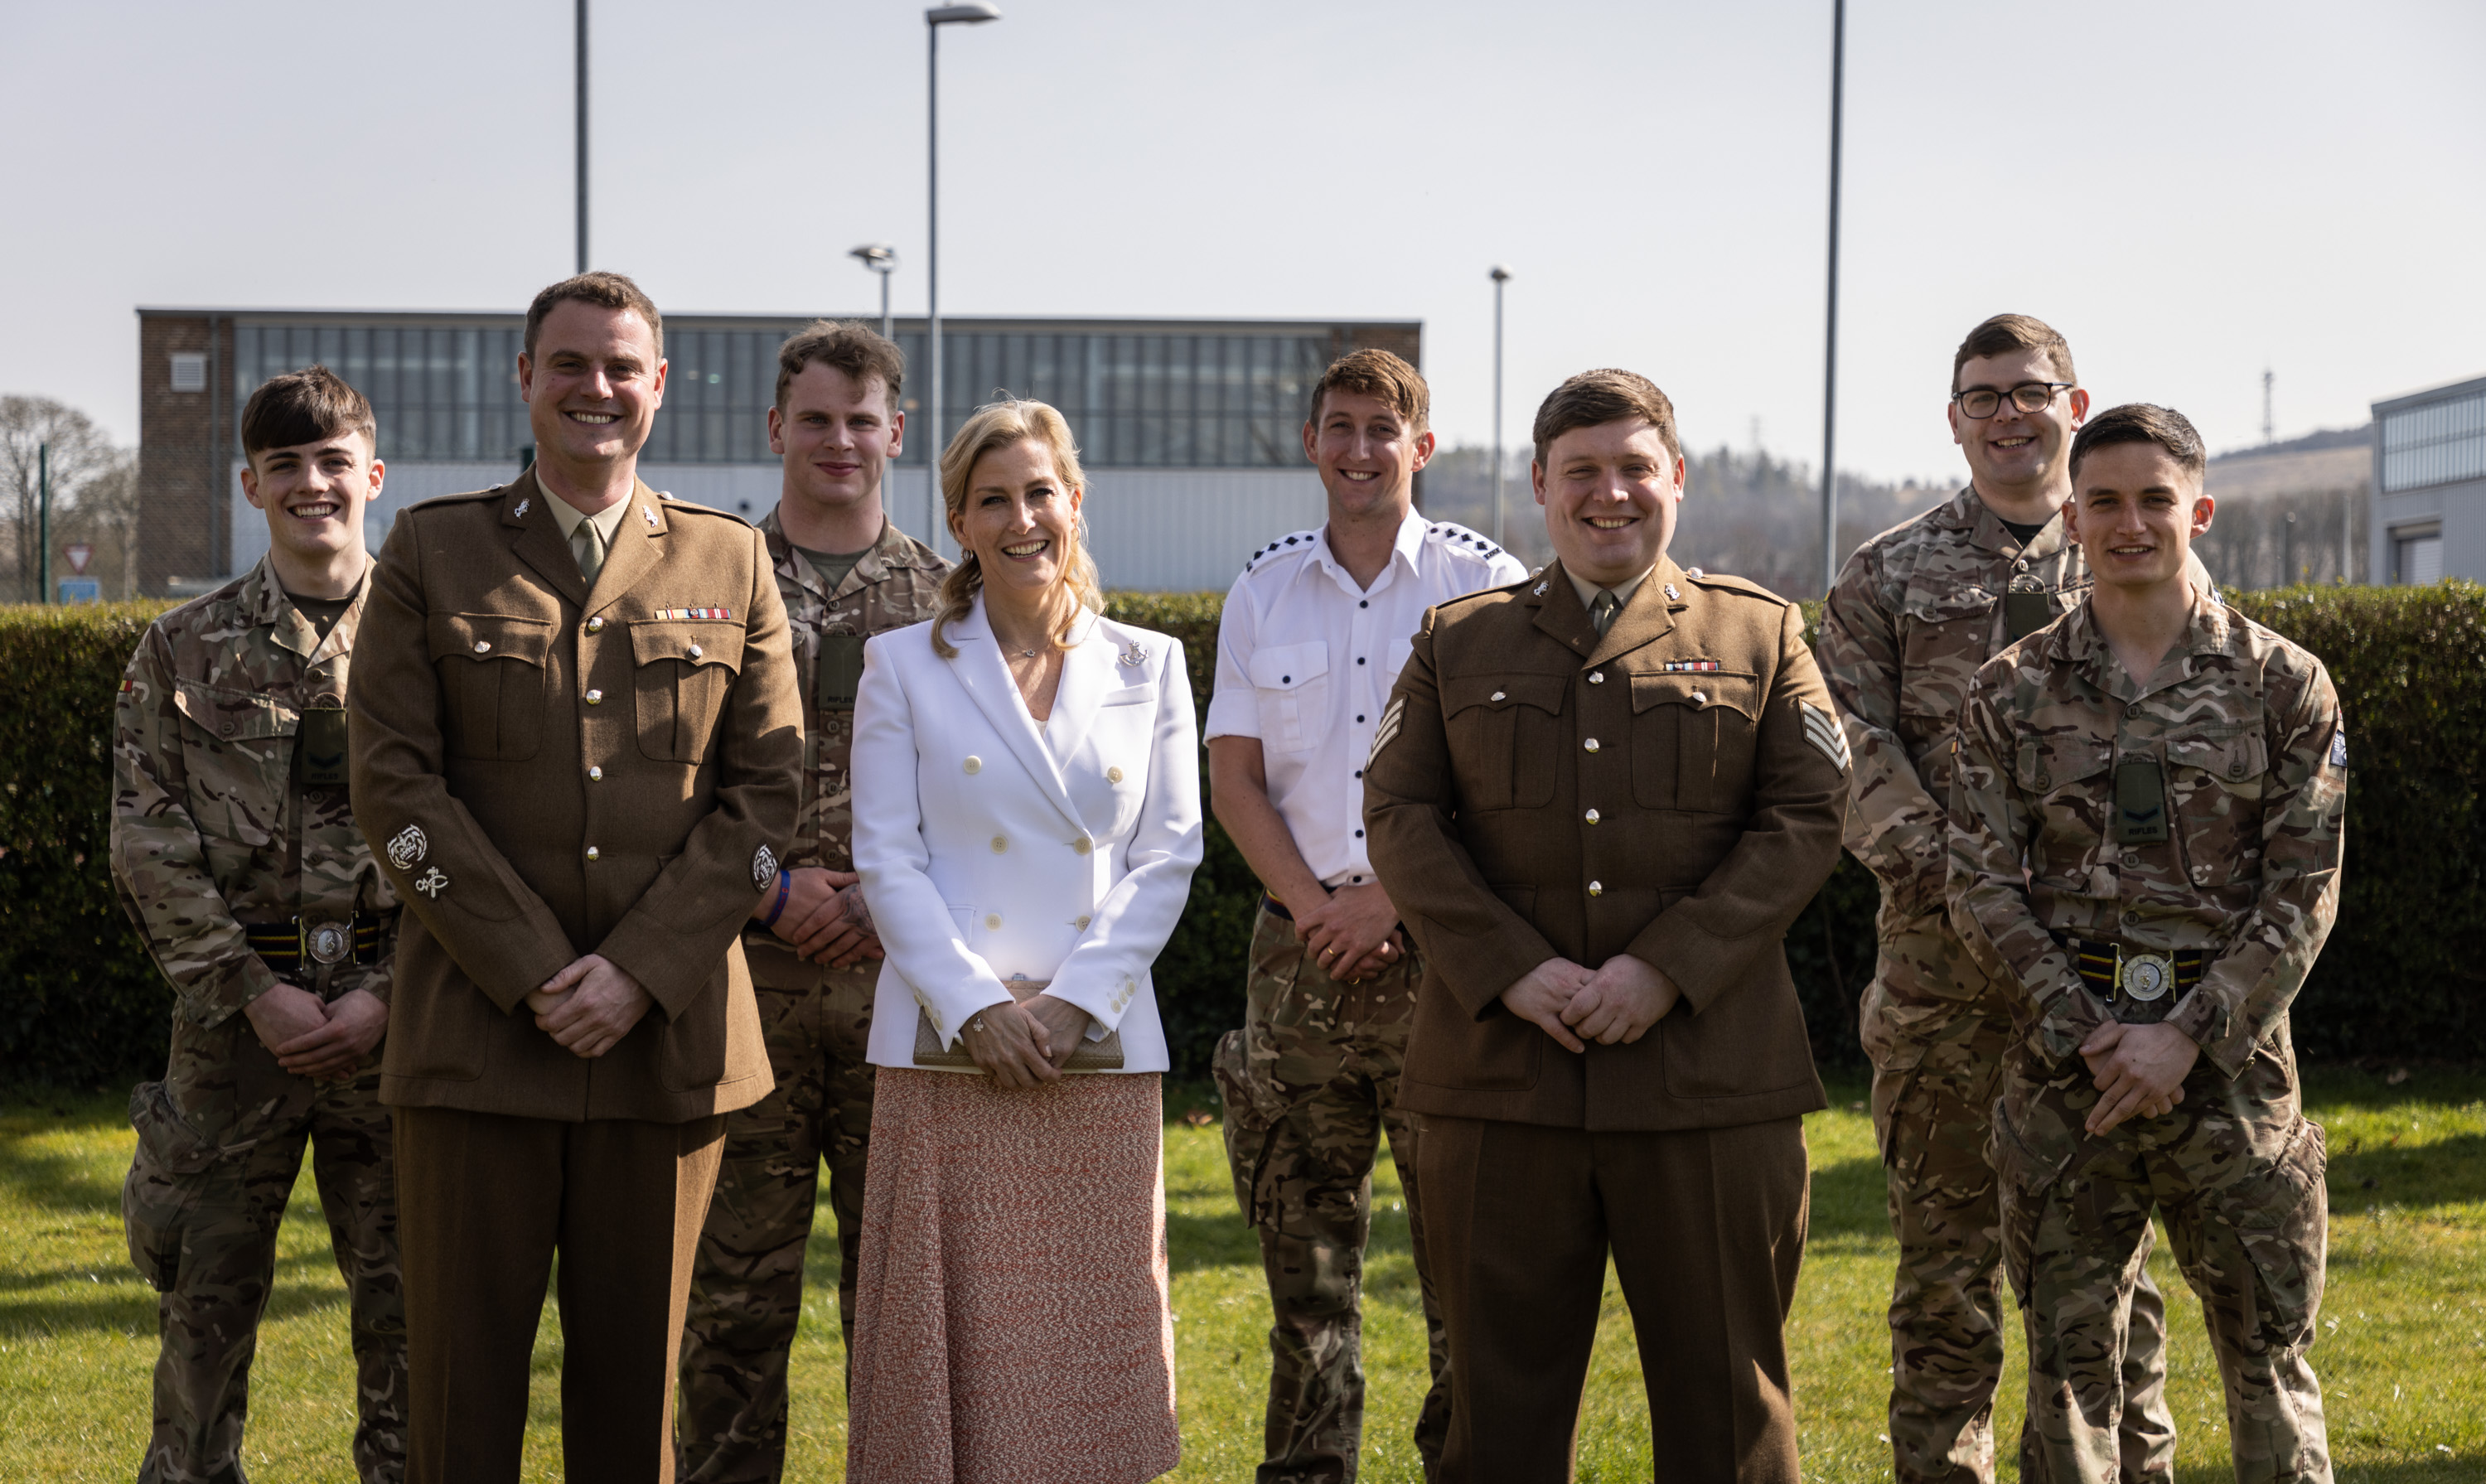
{"points": [[1601, 612], [587, 544]]}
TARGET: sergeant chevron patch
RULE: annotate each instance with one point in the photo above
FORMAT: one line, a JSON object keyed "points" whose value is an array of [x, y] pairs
{"points": [[1823, 731], [1389, 728]]}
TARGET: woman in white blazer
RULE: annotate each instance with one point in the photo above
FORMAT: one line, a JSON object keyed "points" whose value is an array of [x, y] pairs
{"points": [[1025, 823]]}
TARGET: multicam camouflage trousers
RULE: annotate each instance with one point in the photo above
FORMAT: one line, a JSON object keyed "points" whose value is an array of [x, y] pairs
{"points": [[220, 1143], [2236, 1173], [1311, 1082], [1935, 1080], [747, 1286]]}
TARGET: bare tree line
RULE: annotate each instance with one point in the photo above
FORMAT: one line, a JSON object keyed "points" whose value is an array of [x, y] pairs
{"points": [[2285, 539], [94, 498]]}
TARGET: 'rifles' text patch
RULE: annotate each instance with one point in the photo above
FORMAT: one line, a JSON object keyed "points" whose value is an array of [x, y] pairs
{"points": [[1823, 731]]}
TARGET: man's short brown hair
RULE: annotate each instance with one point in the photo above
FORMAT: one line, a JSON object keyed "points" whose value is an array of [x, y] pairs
{"points": [[605, 291], [2005, 333], [1378, 373], [1604, 396], [304, 406], [2143, 423], [853, 348]]}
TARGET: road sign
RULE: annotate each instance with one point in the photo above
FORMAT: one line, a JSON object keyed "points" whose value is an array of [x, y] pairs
{"points": [[81, 589], [79, 554]]}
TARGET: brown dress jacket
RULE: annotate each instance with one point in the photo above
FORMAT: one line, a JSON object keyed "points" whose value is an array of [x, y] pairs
{"points": [[1672, 790], [547, 772]]}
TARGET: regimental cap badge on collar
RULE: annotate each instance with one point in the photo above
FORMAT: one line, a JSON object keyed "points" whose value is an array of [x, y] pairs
{"points": [[649, 515], [1671, 595], [521, 511], [1537, 591]]}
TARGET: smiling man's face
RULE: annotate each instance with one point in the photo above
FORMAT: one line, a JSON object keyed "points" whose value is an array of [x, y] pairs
{"points": [[592, 384], [2136, 510], [313, 493], [1611, 493], [2015, 451], [1366, 452], [837, 436]]}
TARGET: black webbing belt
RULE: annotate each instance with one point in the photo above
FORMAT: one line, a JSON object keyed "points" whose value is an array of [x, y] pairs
{"points": [[283, 947]]}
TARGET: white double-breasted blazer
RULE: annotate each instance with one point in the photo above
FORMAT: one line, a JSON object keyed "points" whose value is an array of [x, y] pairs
{"points": [[992, 848]]}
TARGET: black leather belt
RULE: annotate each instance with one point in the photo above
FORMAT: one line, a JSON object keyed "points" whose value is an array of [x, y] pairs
{"points": [[2137, 975], [361, 938]]}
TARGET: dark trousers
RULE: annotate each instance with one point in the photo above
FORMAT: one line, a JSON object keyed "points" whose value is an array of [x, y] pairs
{"points": [[1706, 1230], [485, 1202]]}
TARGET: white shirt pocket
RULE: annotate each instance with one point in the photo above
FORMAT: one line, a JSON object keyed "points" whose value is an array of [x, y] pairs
{"points": [[1292, 684]]}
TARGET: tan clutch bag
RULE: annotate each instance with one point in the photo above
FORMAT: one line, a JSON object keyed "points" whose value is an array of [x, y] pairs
{"points": [[1105, 1056]]}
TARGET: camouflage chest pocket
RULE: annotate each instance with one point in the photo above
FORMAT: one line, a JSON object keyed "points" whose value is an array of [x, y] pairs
{"points": [[2214, 783], [1506, 734], [493, 683], [1692, 740], [238, 753], [2067, 779], [685, 669]]}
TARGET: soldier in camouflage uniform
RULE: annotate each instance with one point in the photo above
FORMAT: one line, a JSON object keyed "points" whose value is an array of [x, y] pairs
{"points": [[1312, 639], [1917, 610], [2146, 830], [814, 960], [235, 851]]}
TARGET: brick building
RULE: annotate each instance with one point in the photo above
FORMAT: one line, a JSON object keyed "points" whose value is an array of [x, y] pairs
{"points": [[1190, 429]]}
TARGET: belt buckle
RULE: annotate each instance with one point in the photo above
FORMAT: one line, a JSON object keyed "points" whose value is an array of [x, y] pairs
{"points": [[2143, 976], [327, 943]]}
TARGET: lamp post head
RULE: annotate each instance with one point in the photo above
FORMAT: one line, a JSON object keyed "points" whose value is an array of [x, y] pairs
{"points": [[1499, 274], [974, 13], [879, 256]]}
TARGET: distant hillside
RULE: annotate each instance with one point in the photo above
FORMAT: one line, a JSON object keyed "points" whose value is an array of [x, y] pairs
{"points": [[2360, 436]]}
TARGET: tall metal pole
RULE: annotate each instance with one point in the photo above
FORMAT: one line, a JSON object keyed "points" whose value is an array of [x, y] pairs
{"points": [[932, 522], [1501, 536], [582, 136], [43, 524], [888, 326], [1830, 348]]}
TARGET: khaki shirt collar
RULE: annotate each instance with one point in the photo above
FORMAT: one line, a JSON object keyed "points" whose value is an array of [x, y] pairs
{"points": [[1588, 590], [608, 520]]}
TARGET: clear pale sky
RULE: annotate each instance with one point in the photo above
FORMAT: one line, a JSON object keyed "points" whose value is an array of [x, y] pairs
{"points": [[2190, 191]]}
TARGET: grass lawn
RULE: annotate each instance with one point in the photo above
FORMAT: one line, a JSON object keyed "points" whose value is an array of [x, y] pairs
{"points": [[2402, 1355]]}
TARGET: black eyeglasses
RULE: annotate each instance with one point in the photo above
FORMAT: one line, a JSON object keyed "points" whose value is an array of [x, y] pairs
{"points": [[1982, 402]]}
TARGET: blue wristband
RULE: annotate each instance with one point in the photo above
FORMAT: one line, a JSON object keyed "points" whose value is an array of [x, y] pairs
{"points": [[784, 887]]}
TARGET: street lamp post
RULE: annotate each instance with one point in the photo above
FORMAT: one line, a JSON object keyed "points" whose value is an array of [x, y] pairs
{"points": [[1500, 275], [1830, 348], [974, 13], [582, 136], [881, 258]]}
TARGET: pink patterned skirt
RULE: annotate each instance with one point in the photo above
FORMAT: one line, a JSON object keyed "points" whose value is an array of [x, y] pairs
{"points": [[1010, 1319]]}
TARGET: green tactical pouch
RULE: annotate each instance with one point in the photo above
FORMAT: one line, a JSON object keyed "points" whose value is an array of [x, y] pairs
{"points": [[840, 672], [167, 1176], [320, 745], [2140, 801], [2025, 611]]}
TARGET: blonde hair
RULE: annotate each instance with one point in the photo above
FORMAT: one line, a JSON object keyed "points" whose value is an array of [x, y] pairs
{"points": [[999, 425]]}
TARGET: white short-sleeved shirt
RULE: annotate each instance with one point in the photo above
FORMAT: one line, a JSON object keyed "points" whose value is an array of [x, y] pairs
{"points": [[1306, 661]]}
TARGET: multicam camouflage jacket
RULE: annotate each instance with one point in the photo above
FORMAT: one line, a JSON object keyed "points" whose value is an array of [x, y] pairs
{"points": [[2244, 730], [1914, 614], [218, 822], [895, 584]]}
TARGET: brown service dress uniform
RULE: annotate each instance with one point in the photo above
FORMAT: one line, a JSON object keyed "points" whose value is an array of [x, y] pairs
{"points": [[1673, 790], [550, 771], [747, 1287]]}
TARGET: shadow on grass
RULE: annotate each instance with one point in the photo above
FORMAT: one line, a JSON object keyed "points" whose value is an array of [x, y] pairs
{"points": [[56, 1179], [2448, 1172], [121, 1308]]}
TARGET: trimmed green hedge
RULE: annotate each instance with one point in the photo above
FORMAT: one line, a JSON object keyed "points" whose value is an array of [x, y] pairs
{"points": [[80, 1004]]}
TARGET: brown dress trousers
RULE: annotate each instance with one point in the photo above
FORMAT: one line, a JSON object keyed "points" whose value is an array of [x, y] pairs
{"points": [[548, 771], [1673, 789]]}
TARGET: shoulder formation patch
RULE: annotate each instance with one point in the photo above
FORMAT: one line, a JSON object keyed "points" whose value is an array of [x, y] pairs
{"points": [[1297, 541]]}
